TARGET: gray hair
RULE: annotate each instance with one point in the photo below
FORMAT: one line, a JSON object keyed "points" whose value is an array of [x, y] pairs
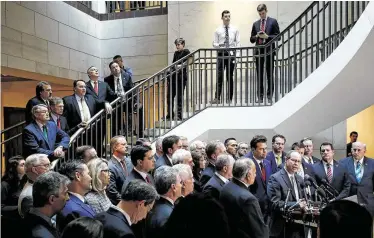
{"points": [[33, 160], [55, 101], [212, 146], [138, 190], [224, 160], [35, 109], [179, 156], [289, 153], [158, 143], [193, 145], [184, 171], [46, 185], [114, 141], [242, 167], [165, 176]]}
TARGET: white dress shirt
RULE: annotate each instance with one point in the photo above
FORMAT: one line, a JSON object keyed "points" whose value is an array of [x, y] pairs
{"points": [[220, 37], [225, 180], [144, 175], [88, 115], [116, 84], [331, 166], [127, 216]]}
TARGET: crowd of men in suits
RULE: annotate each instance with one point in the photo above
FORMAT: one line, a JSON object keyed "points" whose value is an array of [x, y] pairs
{"points": [[134, 194]]}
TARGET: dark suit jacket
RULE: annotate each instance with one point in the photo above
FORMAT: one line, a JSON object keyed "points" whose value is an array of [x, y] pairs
{"points": [[126, 81], [162, 161], [35, 142], [243, 211], [157, 218], [63, 123], [214, 186], [32, 102], [271, 29], [117, 179], [259, 187], [38, 227], [207, 173], [136, 175], [273, 163], [115, 224], [277, 190], [105, 92], [72, 112], [340, 180], [365, 188]]}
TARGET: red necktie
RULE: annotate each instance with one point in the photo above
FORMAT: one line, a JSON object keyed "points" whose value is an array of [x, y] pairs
{"points": [[262, 28], [263, 173], [147, 179], [58, 123], [124, 167], [96, 89]]}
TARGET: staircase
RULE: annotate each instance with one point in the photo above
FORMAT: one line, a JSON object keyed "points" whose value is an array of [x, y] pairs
{"points": [[299, 50]]}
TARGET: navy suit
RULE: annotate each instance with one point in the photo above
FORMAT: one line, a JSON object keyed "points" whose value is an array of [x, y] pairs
{"points": [[136, 175], [259, 187], [38, 227], [115, 224], [117, 179], [105, 93], [163, 160], [207, 173], [340, 179], [279, 184], [365, 188], [33, 139], [272, 30], [74, 204], [157, 218], [214, 186], [30, 104], [273, 162], [243, 211]]}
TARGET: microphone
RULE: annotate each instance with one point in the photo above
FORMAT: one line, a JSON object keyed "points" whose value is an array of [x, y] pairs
{"points": [[321, 192], [324, 182], [287, 197], [291, 207], [311, 180]]}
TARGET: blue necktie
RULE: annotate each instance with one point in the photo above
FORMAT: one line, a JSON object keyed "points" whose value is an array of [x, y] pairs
{"points": [[358, 172]]}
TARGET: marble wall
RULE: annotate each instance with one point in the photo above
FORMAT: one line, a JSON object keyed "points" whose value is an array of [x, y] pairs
{"points": [[56, 39]]}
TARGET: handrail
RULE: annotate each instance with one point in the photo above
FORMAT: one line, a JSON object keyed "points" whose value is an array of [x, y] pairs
{"points": [[14, 126]]}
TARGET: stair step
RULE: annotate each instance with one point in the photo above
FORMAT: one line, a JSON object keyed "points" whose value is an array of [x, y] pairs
{"points": [[166, 124], [156, 132]]}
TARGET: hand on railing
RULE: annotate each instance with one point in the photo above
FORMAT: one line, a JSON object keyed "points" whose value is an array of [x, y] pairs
{"points": [[58, 152], [108, 108], [83, 124]]}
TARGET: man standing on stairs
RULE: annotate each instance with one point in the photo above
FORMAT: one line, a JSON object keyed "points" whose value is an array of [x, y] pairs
{"points": [[263, 31], [121, 82], [225, 37], [43, 94]]}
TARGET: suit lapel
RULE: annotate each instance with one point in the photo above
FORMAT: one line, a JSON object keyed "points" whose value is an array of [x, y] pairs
{"points": [[89, 105], [335, 172], [351, 167], [50, 135], [37, 128], [258, 171], [86, 207], [366, 168], [322, 170], [219, 180], [288, 182], [75, 103]]}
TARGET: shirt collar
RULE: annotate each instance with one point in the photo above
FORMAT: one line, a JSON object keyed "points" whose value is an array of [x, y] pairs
{"points": [[289, 175], [167, 198], [40, 125], [41, 215], [78, 196], [258, 160], [171, 161], [144, 175], [325, 163], [361, 160], [78, 97], [127, 216], [119, 159], [225, 180], [247, 185], [54, 116]]}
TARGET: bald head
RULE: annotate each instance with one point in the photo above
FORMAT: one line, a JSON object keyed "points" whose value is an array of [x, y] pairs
{"points": [[358, 150]]}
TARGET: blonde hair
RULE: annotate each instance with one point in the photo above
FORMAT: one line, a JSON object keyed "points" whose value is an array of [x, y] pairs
{"points": [[95, 166]]}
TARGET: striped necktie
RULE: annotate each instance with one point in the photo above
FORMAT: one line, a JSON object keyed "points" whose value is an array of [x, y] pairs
{"points": [[227, 44], [329, 173], [358, 172]]}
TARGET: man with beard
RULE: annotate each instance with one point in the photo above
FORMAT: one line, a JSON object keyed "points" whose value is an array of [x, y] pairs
{"points": [[43, 94], [277, 156]]}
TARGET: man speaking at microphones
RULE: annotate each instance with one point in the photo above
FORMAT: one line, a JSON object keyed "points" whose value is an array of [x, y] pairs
{"points": [[331, 174], [280, 183]]}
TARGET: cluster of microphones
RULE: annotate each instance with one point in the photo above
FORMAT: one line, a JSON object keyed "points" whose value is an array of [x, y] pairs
{"points": [[323, 195]]}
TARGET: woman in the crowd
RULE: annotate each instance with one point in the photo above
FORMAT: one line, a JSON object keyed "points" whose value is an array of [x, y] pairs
{"points": [[199, 216], [97, 197], [84, 227], [12, 184], [177, 81], [200, 162]]}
